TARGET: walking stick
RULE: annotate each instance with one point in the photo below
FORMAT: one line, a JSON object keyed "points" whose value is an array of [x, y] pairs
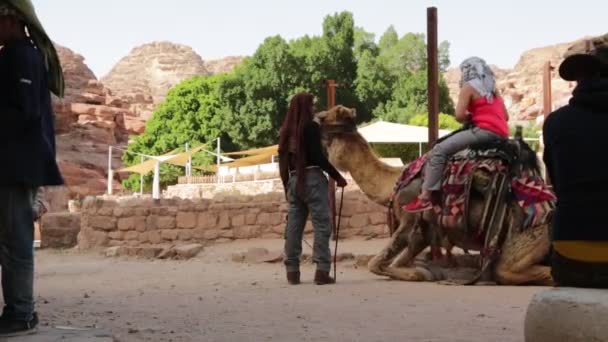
{"points": [[338, 233]]}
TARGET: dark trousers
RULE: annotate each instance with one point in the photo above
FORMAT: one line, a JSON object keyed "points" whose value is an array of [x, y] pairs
{"points": [[17, 251], [567, 272], [315, 202]]}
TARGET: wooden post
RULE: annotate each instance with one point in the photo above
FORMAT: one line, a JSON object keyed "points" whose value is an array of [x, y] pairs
{"points": [[547, 100], [331, 102], [433, 76], [547, 103]]}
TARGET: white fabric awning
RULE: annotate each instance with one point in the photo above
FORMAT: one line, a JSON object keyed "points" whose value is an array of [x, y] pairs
{"points": [[394, 133]]}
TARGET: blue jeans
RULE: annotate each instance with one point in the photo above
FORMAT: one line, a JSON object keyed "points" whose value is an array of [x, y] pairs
{"points": [[17, 251], [316, 202], [441, 153]]}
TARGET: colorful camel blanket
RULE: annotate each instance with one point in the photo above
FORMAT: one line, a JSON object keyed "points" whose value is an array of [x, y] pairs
{"points": [[529, 190]]}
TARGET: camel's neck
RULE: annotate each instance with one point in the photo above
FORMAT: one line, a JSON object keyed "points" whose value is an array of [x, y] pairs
{"points": [[375, 178]]}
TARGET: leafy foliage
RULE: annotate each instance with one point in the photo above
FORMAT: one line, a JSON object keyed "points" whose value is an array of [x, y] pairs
{"points": [[384, 79]]}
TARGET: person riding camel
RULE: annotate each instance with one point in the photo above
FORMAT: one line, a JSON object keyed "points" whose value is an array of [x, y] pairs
{"points": [[479, 106]]}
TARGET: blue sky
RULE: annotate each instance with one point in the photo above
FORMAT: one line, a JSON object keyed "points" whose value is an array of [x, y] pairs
{"points": [[499, 31]]}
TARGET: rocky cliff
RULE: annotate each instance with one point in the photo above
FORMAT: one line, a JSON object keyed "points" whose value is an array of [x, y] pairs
{"points": [[145, 75], [522, 86], [88, 120]]}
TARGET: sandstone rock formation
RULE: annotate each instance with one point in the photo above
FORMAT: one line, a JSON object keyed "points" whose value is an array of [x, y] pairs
{"points": [[143, 78], [223, 65], [522, 86], [88, 120]]}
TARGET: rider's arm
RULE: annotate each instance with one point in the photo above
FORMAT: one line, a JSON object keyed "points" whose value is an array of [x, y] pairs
{"points": [[464, 98], [506, 112]]}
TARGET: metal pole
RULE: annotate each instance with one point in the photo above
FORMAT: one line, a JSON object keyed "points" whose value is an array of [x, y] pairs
{"points": [[141, 180], [218, 160], [331, 102], [433, 76], [110, 174]]}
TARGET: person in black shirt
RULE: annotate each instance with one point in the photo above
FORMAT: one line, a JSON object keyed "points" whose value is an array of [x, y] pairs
{"points": [[575, 156], [29, 71], [302, 162]]}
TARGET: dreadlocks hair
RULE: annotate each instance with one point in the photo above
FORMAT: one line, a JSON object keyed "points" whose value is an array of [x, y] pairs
{"points": [[291, 142]]}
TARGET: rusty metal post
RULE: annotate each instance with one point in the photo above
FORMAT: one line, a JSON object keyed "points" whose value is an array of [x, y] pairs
{"points": [[433, 76], [547, 100], [331, 102], [547, 103]]}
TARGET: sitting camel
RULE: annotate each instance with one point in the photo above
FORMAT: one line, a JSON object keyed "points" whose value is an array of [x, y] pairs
{"points": [[521, 251]]}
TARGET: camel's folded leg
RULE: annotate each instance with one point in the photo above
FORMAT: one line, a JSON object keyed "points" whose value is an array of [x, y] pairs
{"points": [[416, 244], [397, 243], [519, 262]]}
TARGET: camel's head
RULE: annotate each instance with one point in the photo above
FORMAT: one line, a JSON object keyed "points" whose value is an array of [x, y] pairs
{"points": [[338, 128], [338, 118]]}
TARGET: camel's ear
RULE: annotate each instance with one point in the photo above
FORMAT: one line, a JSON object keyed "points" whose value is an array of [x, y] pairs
{"points": [[354, 111], [318, 117]]}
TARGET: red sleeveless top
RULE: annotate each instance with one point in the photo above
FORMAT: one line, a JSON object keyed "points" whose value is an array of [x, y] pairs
{"points": [[489, 116]]}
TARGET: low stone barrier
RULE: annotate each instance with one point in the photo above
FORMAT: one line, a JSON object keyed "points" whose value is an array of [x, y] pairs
{"points": [[567, 315], [147, 222]]}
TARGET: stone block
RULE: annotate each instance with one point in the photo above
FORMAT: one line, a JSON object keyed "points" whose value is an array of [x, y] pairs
{"points": [[132, 235], [154, 237], [126, 223], [251, 218], [358, 221], [188, 251], [184, 234], [207, 220], [102, 223], [224, 221], [238, 220], [567, 315], [170, 235], [117, 235], [59, 230], [186, 219]]}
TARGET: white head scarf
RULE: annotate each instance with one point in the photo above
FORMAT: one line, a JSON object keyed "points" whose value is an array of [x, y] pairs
{"points": [[478, 75]]}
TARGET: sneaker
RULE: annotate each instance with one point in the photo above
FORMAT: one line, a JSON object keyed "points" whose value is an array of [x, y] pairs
{"points": [[11, 327], [418, 205]]}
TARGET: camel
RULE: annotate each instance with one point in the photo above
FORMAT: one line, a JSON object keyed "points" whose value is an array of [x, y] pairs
{"points": [[520, 260]]}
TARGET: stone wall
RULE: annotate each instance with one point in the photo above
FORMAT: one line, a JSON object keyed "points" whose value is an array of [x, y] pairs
{"points": [[147, 222]]}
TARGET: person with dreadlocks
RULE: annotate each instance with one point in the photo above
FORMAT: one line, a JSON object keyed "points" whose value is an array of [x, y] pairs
{"points": [[29, 72], [302, 162], [483, 112]]}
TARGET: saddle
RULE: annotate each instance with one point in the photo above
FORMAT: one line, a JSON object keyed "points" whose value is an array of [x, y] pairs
{"points": [[498, 173]]}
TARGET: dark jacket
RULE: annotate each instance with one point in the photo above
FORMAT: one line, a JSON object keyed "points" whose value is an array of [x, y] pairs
{"points": [[314, 154], [576, 156], [27, 134]]}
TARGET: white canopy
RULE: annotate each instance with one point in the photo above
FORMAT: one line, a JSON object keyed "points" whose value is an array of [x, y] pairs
{"points": [[393, 133]]}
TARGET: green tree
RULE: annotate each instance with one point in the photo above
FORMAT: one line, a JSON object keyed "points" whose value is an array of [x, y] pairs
{"points": [[446, 121], [364, 41], [410, 97], [256, 94], [189, 115]]}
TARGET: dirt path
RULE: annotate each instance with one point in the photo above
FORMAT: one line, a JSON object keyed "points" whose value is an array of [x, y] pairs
{"points": [[213, 299]]}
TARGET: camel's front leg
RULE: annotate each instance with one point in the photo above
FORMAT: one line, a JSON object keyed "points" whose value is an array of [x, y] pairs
{"points": [[397, 243], [519, 262], [417, 242]]}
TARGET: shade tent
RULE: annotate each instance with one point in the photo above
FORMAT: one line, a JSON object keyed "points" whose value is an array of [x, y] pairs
{"points": [[257, 159], [383, 132], [274, 149]]}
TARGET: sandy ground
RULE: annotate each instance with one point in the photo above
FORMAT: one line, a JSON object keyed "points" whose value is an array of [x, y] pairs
{"points": [[211, 298]]}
